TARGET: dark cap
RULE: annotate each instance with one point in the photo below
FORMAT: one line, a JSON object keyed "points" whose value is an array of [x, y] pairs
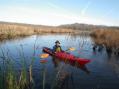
{"points": [[57, 42]]}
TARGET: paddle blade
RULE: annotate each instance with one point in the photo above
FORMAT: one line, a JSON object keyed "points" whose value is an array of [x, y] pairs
{"points": [[45, 55], [71, 49]]}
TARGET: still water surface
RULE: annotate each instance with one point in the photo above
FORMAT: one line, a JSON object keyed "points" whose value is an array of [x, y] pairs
{"points": [[104, 71]]}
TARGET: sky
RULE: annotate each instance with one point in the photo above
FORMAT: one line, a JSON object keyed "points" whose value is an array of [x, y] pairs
{"points": [[57, 12]]}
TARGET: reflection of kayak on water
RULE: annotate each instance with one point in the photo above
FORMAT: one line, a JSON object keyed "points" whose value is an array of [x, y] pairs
{"points": [[67, 57], [56, 63]]}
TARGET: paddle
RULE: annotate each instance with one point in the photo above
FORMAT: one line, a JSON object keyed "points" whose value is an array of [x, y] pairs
{"points": [[71, 49], [43, 56]]}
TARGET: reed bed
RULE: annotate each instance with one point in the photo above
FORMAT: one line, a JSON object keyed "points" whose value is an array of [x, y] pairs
{"points": [[12, 78], [8, 31], [108, 38]]}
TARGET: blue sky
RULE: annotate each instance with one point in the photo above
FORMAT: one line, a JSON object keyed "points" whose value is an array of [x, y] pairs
{"points": [[56, 12]]}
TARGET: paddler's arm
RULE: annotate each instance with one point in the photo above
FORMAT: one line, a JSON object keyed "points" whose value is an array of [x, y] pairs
{"points": [[61, 49], [54, 48]]}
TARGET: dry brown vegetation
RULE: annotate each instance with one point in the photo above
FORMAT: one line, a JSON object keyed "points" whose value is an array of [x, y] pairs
{"points": [[108, 37], [8, 30]]}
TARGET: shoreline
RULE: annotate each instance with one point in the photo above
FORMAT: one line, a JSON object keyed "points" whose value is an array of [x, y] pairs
{"points": [[11, 31]]}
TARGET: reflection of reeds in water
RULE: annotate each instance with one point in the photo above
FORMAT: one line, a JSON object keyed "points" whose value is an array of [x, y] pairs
{"points": [[75, 35], [80, 38]]}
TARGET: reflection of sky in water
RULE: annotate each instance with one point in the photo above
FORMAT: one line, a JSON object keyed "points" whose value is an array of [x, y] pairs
{"points": [[102, 75]]}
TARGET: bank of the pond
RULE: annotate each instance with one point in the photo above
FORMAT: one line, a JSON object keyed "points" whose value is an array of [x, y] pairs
{"points": [[108, 38], [11, 32]]}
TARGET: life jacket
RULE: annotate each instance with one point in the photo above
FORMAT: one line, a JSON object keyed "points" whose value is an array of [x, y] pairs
{"points": [[58, 49]]}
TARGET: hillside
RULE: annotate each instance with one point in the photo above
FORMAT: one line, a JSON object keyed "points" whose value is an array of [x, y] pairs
{"points": [[86, 27], [74, 26]]}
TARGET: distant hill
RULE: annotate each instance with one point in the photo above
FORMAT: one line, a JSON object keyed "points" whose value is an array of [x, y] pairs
{"points": [[74, 26], [86, 27]]}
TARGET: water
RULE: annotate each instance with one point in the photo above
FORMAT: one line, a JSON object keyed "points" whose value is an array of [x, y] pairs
{"points": [[101, 73]]}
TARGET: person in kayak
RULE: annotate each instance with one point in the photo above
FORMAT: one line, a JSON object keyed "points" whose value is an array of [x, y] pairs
{"points": [[57, 47]]}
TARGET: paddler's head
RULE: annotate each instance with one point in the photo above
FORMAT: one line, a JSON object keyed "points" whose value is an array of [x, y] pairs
{"points": [[57, 43]]}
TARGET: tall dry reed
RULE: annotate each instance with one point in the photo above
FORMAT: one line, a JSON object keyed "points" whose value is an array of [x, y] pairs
{"points": [[8, 31], [109, 37]]}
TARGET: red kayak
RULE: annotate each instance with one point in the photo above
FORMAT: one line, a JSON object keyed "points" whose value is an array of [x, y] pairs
{"points": [[66, 56]]}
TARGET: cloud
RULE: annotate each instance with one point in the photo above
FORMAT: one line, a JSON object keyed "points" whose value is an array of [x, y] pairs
{"points": [[37, 16]]}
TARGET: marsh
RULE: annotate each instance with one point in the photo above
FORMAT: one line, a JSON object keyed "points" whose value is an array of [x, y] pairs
{"points": [[104, 73]]}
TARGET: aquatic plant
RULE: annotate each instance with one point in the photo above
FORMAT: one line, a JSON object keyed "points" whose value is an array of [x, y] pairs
{"points": [[10, 78]]}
